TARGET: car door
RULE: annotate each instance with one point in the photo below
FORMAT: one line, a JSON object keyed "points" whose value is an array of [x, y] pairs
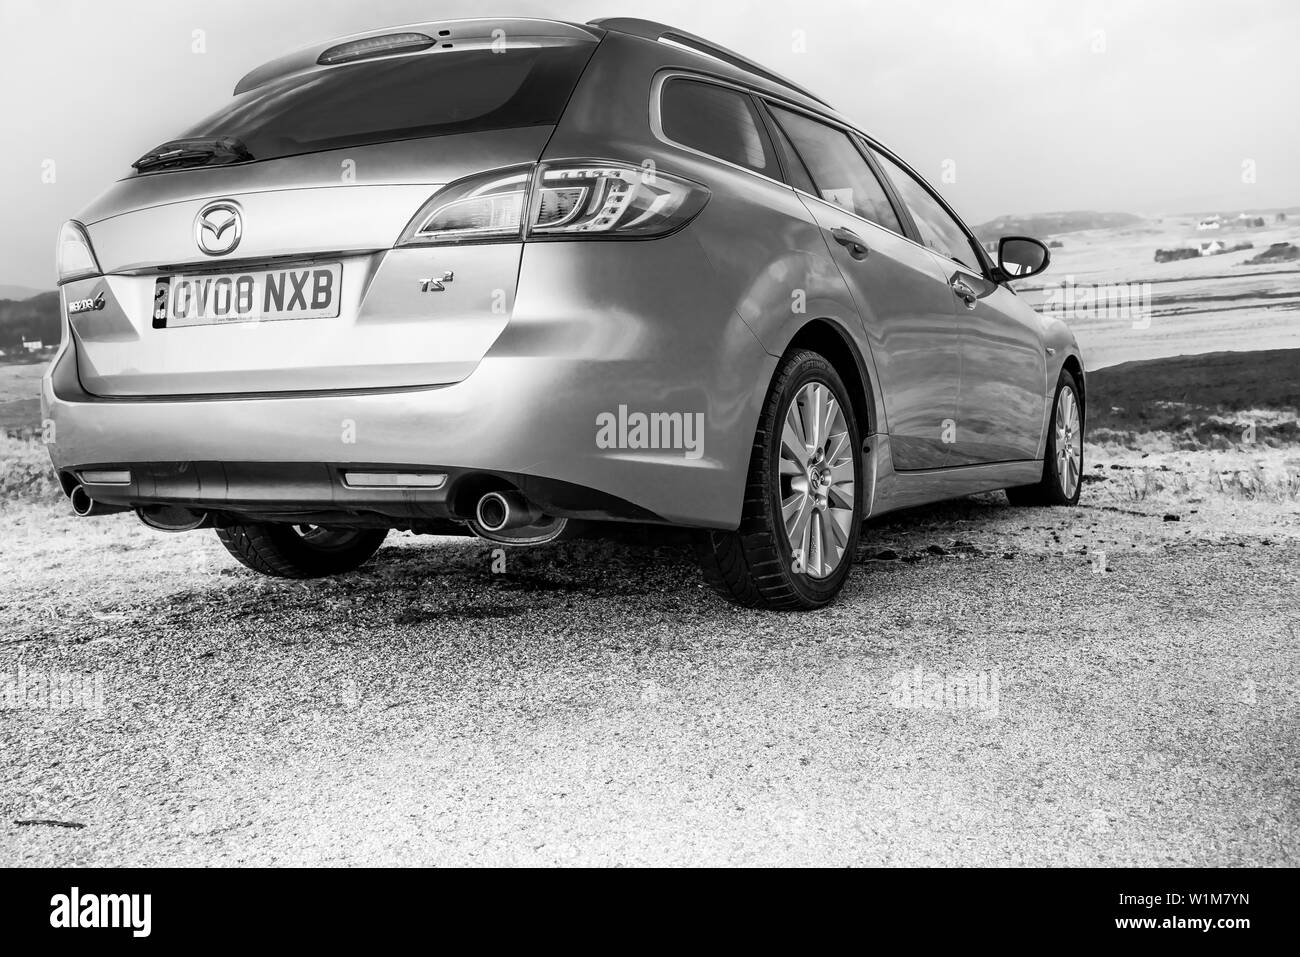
{"points": [[1001, 400], [902, 295]]}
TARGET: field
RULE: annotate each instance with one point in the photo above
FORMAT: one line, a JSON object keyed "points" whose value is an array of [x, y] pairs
{"points": [[1208, 304], [1218, 401], [20, 395]]}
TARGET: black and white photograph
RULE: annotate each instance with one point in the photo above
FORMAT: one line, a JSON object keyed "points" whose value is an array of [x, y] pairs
{"points": [[561, 434]]}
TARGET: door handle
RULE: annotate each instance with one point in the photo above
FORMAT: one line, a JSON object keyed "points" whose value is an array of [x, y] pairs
{"points": [[851, 241], [965, 291]]}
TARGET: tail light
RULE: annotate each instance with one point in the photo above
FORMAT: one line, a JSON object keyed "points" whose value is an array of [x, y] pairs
{"points": [[75, 258], [478, 208], [613, 199], [564, 199]]}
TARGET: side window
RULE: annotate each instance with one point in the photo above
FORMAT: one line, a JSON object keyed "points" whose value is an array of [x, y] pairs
{"points": [[938, 229], [796, 174], [838, 170], [716, 120]]}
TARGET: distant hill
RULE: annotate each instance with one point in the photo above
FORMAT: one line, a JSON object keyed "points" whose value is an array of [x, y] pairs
{"points": [[1040, 225], [34, 318], [18, 292]]}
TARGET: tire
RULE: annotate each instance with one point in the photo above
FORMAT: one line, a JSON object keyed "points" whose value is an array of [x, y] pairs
{"points": [[1062, 473], [757, 565], [301, 551]]}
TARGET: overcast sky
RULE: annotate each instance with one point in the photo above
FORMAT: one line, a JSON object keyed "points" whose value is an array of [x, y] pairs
{"points": [[1033, 105]]}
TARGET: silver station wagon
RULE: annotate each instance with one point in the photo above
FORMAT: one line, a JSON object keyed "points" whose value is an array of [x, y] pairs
{"points": [[527, 279]]}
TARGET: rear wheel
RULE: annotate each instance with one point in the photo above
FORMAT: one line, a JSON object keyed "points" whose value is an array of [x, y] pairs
{"points": [[803, 502], [301, 551], [1063, 460]]}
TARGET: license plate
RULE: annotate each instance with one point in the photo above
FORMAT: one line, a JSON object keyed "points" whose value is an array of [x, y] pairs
{"points": [[210, 300]]}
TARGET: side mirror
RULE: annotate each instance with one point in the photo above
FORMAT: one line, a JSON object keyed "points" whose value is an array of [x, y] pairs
{"points": [[1020, 257]]}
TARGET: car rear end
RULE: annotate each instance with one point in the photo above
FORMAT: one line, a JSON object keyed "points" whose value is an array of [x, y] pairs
{"points": [[290, 205], [308, 307]]}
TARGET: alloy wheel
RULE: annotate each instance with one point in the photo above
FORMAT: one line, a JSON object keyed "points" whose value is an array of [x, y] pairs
{"points": [[1069, 442], [817, 473]]}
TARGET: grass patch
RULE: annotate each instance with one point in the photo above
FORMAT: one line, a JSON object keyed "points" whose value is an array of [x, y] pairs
{"points": [[1217, 401], [26, 473]]}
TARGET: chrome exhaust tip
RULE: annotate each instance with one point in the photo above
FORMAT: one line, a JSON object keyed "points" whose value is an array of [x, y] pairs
{"points": [[84, 506], [507, 518], [501, 511]]}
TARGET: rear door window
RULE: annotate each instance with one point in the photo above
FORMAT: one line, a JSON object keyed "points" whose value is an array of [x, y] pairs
{"points": [[716, 120], [839, 171], [401, 97], [938, 229]]}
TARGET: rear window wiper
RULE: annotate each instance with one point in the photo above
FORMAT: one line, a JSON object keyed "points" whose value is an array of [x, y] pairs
{"points": [[197, 151]]}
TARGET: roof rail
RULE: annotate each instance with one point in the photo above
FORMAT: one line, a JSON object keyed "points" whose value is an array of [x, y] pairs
{"points": [[650, 30]]}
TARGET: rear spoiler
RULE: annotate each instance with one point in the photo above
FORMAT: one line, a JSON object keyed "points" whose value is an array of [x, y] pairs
{"points": [[443, 35]]}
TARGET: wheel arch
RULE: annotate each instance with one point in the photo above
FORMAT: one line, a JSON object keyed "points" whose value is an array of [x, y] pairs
{"points": [[829, 339], [1074, 366]]}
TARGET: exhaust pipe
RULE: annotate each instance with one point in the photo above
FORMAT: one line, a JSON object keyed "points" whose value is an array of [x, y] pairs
{"points": [[501, 511], [85, 506], [173, 518], [508, 518]]}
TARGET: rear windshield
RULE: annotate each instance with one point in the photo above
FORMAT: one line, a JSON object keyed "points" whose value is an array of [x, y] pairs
{"points": [[398, 98]]}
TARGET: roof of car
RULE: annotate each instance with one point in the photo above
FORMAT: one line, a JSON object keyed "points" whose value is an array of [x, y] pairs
{"points": [[481, 33]]}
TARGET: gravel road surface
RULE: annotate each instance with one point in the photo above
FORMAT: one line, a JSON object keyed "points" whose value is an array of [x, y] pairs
{"points": [[990, 689]]}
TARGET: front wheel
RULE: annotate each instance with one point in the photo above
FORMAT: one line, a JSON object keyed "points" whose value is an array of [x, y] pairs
{"points": [[803, 499], [301, 551], [1063, 460]]}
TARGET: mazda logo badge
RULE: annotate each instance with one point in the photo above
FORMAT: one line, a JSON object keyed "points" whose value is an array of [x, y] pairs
{"points": [[218, 227]]}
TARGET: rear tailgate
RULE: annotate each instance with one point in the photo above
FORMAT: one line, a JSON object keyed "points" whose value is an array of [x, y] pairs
{"points": [[385, 330], [313, 295]]}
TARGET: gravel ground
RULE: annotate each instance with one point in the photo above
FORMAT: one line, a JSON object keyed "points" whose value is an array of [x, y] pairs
{"points": [[595, 705]]}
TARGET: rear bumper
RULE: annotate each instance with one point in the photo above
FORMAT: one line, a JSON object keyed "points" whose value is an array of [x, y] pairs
{"points": [[528, 414], [269, 455], [324, 493]]}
